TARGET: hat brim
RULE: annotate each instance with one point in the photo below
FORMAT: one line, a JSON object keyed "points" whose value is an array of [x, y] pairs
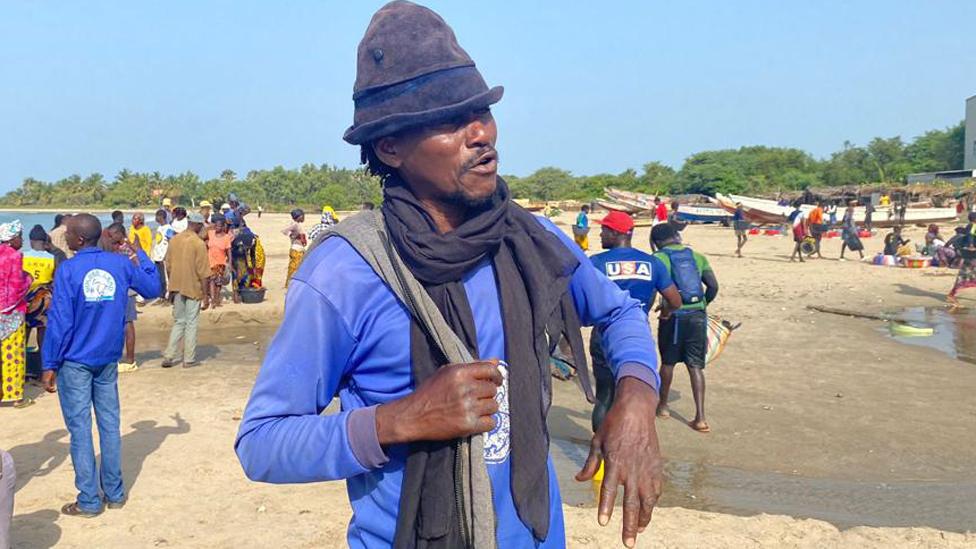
{"points": [[394, 123]]}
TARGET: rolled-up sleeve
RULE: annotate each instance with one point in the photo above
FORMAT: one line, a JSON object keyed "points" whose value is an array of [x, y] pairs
{"points": [[627, 339], [144, 278], [283, 437]]}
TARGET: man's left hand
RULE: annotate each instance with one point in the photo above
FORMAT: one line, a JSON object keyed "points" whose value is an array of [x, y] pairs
{"points": [[627, 442]]}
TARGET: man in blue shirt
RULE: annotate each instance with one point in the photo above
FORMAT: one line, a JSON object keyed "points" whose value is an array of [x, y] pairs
{"points": [[85, 332], [505, 281], [639, 274]]}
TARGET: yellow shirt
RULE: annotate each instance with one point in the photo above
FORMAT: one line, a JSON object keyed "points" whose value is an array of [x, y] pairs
{"points": [[145, 237], [40, 265]]}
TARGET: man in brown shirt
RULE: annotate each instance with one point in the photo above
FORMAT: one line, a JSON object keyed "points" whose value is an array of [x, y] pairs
{"points": [[188, 267], [59, 234]]}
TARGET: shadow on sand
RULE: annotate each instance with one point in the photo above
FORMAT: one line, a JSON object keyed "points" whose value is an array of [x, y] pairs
{"points": [[37, 459], [139, 444], [37, 530]]}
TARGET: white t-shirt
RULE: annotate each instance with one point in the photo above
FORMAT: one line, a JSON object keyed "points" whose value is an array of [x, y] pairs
{"points": [[161, 242]]}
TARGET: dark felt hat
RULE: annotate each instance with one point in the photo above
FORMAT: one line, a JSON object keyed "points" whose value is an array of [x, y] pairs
{"points": [[411, 72]]}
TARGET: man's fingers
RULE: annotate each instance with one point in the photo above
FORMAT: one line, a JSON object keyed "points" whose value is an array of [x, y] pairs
{"points": [[632, 507], [483, 389], [485, 406], [487, 370], [647, 504], [608, 492], [650, 494], [485, 424], [592, 464]]}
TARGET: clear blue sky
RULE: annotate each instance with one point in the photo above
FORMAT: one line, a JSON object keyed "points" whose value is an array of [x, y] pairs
{"points": [[590, 86]]}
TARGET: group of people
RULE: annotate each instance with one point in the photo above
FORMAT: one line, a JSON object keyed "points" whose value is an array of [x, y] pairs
{"points": [[809, 228], [78, 286], [431, 320]]}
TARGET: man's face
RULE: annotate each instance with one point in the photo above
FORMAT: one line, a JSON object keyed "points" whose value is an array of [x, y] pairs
{"points": [[116, 237], [452, 162]]}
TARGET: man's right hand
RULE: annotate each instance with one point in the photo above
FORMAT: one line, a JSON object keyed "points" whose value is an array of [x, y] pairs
{"points": [[457, 401], [49, 379]]}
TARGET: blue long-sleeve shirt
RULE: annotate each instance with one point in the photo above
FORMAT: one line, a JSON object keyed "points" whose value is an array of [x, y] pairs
{"points": [[86, 321], [345, 332]]}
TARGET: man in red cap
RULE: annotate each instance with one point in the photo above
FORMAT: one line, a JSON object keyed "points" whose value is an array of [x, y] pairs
{"points": [[639, 274]]}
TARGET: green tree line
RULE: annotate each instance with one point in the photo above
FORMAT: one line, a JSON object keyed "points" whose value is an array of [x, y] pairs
{"points": [[747, 170], [762, 170]]}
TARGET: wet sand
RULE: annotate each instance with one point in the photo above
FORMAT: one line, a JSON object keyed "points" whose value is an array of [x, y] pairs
{"points": [[826, 432]]}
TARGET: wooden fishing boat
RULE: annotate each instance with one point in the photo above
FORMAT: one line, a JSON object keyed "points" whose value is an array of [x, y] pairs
{"points": [[702, 213], [758, 210], [620, 207]]}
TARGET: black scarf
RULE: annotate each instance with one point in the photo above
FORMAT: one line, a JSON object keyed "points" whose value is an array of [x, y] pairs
{"points": [[533, 269]]}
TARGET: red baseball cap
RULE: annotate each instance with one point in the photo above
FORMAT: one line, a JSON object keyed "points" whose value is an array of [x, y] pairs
{"points": [[618, 221]]}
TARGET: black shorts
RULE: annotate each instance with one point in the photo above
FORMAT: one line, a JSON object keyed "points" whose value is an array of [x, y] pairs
{"points": [[688, 345]]}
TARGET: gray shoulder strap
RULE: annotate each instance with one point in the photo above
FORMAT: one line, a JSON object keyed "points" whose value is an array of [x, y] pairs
{"points": [[366, 233]]}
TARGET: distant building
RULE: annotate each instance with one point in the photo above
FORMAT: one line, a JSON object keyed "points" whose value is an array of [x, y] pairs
{"points": [[954, 176], [969, 154], [970, 159]]}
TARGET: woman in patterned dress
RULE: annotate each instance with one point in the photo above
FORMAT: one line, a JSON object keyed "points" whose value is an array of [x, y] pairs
{"points": [[14, 283]]}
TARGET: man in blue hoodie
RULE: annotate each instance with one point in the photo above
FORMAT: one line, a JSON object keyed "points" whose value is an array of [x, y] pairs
{"points": [[85, 334], [509, 284]]}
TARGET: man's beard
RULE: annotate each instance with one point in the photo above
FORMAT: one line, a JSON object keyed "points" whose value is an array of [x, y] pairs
{"points": [[472, 204]]}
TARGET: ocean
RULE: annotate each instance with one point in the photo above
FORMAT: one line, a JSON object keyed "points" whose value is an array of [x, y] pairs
{"points": [[46, 219]]}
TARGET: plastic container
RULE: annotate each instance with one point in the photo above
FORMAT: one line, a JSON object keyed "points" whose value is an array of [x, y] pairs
{"points": [[252, 295]]}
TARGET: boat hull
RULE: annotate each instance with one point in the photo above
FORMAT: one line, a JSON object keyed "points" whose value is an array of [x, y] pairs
{"points": [[758, 210]]}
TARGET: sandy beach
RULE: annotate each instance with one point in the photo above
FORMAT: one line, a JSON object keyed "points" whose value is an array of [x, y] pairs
{"points": [[826, 431]]}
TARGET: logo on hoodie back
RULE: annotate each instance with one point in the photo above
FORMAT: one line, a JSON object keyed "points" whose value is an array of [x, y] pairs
{"points": [[98, 285]]}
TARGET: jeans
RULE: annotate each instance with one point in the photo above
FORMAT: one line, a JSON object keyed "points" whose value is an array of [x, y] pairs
{"points": [[79, 388], [161, 269], [186, 313]]}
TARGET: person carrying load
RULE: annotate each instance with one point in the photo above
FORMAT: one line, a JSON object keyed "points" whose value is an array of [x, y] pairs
{"points": [[683, 333]]}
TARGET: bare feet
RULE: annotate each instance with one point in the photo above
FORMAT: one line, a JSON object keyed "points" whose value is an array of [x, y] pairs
{"points": [[205, 306], [663, 412], [701, 426]]}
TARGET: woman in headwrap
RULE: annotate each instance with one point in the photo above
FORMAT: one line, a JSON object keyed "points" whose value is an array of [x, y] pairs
{"points": [[248, 254], [14, 283], [329, 218]]}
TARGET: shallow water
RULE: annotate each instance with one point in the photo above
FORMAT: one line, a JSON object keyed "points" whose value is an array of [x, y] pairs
{"points": [[942, 505], [955, 331]]}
